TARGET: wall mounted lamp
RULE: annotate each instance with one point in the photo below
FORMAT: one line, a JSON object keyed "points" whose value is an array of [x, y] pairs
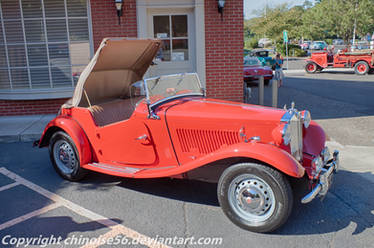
{"points": [[221, 5], [119, 4]]}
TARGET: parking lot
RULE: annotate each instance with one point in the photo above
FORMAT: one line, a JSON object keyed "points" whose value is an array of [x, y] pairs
{"points": [[37, 204]]}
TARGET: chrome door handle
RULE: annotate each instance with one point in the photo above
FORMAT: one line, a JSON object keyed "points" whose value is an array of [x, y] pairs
{"points": [[143, 137]]}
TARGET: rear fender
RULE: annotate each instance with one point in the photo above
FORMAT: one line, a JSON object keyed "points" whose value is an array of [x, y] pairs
{"points": [[73, 129]]}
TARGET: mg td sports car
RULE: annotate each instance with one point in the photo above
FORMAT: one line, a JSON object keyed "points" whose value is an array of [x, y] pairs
{"points": [[117, 123]]}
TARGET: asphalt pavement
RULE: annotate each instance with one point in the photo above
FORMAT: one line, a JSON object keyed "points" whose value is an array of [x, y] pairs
{"points": [[36, 202]]}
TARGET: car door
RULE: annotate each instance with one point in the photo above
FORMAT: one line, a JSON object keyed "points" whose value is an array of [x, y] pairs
{"points": [[127, 142]]}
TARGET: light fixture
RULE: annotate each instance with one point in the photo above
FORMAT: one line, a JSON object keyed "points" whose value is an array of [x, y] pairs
{"points": [[221, 5], [119, 4]]}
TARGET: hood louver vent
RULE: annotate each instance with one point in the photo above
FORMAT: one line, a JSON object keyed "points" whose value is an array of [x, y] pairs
{"points": [[205, 141]]}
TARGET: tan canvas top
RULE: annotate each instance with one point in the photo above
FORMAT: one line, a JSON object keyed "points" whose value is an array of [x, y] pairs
{"points": [[117, 64]]}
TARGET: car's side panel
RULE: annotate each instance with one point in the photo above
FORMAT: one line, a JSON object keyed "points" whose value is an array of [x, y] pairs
{"points": [[74, 130]]}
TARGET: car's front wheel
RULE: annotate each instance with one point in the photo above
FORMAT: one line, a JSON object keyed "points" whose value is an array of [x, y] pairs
{"points": [[311, 67], [65, 157], [255, 197]]}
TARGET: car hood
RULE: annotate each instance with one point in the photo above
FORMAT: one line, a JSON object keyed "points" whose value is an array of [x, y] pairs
{"points": [[117, 64], [210, 114]]}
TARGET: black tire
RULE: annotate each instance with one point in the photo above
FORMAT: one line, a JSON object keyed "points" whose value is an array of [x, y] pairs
{"points": [[69, 170], [361, 68], [311, 67], [268, 184]]}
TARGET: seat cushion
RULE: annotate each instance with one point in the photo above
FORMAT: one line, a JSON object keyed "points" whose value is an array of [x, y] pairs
{"points": [[113, 111]]}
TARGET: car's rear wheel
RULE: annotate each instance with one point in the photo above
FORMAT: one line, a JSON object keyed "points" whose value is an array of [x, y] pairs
{"points": [[361, 68], [255, 197], [311, 67], [65, 157]]}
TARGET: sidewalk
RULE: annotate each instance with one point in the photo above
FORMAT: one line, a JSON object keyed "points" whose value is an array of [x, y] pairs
{"points": [[22, 128]]}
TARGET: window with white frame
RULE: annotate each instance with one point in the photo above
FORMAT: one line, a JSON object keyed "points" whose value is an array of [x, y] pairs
{"points": [[44, 44], [172, 30]]}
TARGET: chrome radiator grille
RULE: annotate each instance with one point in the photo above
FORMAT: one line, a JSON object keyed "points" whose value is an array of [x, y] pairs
{"points": [[296, 144]]}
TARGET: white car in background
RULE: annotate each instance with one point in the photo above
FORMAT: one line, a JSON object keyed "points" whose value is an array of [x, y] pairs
{"points": [[265, 42]]}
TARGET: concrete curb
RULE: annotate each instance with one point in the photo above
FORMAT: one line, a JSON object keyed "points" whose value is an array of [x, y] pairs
{"points": [[22, 128]]}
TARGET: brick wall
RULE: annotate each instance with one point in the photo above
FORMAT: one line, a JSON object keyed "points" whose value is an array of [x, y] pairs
{"points": [[105, 20], [30, 107], [224, 50], [104, 24]]}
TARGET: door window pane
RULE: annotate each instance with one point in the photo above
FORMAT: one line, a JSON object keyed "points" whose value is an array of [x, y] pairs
{"points": [[180, 50], [174, 48], [164, 53], [161, 27], [179, 23]]}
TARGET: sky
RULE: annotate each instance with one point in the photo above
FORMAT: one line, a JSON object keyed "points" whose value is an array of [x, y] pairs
{"points": [[251, 5]]}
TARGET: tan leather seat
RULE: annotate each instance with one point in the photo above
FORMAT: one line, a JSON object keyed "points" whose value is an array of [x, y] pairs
{"points": [[113, 111]]}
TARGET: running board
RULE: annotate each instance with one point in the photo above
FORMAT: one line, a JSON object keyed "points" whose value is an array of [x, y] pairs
{"points": [[111, 169]]}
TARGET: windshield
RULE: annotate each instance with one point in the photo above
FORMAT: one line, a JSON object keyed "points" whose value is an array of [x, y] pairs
{"points": [[251, 61], [171, 86]]}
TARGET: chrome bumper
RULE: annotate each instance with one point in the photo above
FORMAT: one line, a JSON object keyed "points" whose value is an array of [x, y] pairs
{"points": [[325, 179]]}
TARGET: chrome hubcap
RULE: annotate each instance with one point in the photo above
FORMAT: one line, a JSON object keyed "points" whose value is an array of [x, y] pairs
{"points": [[64, 156], [251, 198]]}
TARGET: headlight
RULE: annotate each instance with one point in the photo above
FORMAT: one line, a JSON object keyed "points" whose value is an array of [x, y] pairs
{"points": [[325, 154], [286, 134], [306, 118], [317, 164]]}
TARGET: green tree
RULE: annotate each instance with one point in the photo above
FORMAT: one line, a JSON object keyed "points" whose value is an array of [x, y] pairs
{"points": [[273, 21], [331, 18]]}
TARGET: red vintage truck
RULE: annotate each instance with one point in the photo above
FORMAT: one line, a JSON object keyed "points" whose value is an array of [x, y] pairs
{"points": [[362, 61]]}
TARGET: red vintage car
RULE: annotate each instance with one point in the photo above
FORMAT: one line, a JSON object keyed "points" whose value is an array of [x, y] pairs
{"points": [[253, 70], [120, 124], [361, 61]]}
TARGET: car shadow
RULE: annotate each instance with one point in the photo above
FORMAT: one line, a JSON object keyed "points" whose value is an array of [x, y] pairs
{"points": [[348, 201]]}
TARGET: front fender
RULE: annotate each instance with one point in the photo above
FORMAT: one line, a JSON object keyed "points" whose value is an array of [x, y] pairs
{"points": [[73, 129], [267, 153]]}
